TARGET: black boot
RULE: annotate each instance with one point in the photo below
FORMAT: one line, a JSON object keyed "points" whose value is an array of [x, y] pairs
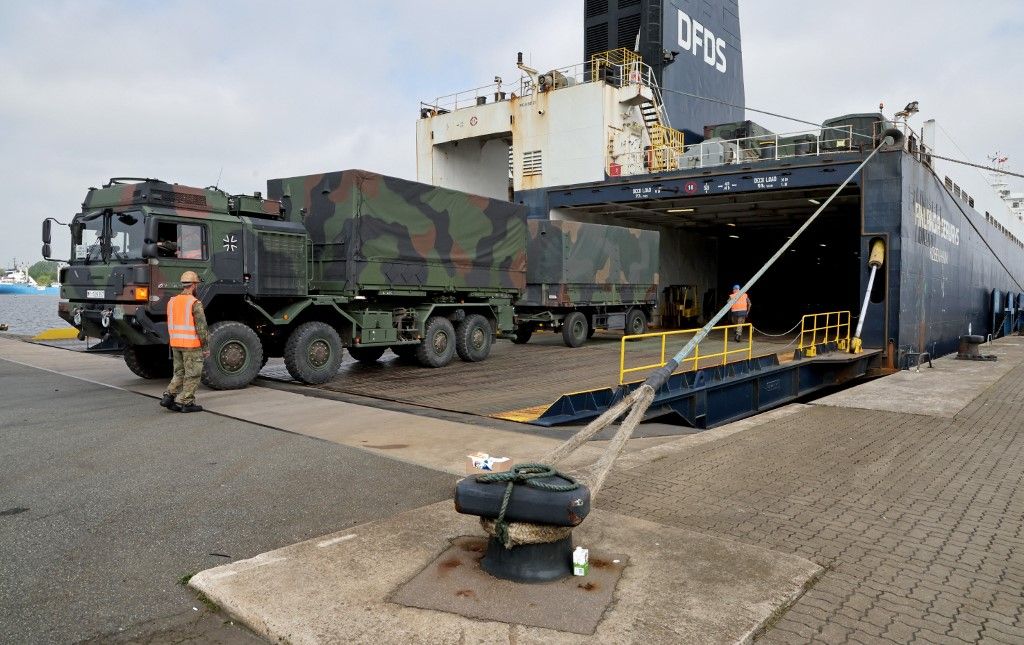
{"points": [[190, 407], [168, 402]]}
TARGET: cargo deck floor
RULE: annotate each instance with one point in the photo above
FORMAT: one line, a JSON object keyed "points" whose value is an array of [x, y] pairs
{"points": [[514, 380]]}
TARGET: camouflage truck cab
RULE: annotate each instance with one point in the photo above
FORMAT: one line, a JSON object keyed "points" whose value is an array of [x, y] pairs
{"points": [[583, 277], [346, 260]]}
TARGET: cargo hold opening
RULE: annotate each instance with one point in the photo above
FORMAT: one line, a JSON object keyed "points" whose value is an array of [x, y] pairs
{"points": [[716, 241]]}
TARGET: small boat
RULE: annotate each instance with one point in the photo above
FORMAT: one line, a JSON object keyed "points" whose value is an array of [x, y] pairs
{"points": [[17, 281]]}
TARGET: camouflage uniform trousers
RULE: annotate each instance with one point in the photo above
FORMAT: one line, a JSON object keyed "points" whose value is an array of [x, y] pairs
{"points": [[188, 368], [738, 318]]}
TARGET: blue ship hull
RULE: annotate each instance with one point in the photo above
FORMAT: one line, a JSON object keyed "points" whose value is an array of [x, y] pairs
{"points": [[28, 290]]}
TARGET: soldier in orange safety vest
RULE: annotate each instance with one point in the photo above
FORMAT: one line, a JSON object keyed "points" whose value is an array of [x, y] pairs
{"points": [[739, 311], [186, 328]]}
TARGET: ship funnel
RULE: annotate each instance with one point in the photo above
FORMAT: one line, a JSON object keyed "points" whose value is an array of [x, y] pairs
{"points": [[896, 138]]}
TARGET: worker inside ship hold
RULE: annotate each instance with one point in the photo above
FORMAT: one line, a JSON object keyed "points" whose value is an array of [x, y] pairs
{"points": [[711, 243]]}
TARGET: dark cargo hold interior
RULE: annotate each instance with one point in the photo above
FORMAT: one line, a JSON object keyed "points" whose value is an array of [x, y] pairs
{"points": [[820, 273]]}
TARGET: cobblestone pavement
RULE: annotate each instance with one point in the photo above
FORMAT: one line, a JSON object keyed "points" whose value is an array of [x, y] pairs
{"points": [[916, 519]]}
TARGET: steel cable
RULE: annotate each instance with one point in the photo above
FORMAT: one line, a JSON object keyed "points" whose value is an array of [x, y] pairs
{"points": [[639, 400]]}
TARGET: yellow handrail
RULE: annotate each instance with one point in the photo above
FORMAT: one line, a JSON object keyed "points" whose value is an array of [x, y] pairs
{"points": [[621, 57], [693, 360], [826, 327]]}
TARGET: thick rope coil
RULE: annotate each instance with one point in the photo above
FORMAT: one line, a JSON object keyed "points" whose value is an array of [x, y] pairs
{"points": [[528, 475]]}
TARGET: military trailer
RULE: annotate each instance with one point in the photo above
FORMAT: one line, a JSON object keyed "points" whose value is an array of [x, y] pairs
{"points": [[347, 259], [582, 277]]}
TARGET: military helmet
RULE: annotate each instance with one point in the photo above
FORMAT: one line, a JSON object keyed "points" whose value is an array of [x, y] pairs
{"points": [[190, 277]]}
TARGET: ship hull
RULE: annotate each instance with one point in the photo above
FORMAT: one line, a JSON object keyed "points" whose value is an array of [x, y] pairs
{"points": [[28, 290]]}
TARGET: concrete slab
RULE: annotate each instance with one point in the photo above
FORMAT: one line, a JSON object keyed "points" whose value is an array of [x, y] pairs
{"points": [[942, 391], [679, 587], [424, 441], [456, 583]]}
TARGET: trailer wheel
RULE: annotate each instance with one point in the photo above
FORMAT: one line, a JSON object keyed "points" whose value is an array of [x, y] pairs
{"points": [[438, 346], [574, 329], [636, 322], [473, 338], [236, 356], [523, 334], [148, 361], [368, 355], [313, 353]]}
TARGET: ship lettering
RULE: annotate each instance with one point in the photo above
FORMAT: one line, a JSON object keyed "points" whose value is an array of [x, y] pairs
{"points": [[693, 36], [929, 221]]}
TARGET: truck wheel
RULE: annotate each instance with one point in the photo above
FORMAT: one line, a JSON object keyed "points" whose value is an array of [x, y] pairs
{"points": [[574, 329], [313, 353], [636, 322], [438, 346], [148, 361], [366, 354], [523, 334], [236, 356], [473, 338]]}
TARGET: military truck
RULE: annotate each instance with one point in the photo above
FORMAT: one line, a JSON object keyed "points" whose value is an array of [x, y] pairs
{"points": [[581, 277], [348, 259]]}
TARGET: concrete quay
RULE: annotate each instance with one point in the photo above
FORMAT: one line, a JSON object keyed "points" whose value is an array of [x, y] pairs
{"points": [[887, 512]]}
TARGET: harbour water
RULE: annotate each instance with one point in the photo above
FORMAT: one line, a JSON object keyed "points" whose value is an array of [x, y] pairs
{"points": [[29, 314]]}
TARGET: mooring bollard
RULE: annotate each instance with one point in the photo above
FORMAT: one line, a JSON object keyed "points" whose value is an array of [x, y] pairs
{"points": [[969, 349], [529, 513]]}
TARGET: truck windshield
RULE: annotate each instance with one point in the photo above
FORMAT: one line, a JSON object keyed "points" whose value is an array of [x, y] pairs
{"points": [[109, 236]]}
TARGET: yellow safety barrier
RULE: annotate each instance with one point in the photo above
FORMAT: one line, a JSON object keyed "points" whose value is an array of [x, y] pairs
{"points": [[828, 327], [625, 59], [694, 359]]}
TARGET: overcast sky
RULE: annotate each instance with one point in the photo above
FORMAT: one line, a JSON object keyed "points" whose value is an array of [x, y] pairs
{"points": [[190, 91]]}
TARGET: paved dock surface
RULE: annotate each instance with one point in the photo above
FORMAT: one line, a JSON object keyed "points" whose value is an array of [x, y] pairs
{"points": [[917, 518], [107, 501], [907, 490]]}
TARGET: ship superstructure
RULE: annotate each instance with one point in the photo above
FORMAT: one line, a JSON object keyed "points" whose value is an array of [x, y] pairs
{"points": [[597, 141]]}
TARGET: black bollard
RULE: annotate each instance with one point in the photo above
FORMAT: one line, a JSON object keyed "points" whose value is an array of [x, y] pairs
{"points": [[531, 494]]}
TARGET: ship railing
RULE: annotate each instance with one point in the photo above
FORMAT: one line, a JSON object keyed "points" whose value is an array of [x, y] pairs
{"points": [[614, 70], [821, 328], [718, 350], [719, 152]]}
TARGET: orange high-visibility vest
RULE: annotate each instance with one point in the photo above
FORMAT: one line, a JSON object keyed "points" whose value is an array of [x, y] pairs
{"points": [[742, 303], [181, 327]]}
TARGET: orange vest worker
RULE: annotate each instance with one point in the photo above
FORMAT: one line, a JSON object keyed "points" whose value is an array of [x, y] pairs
{"points": [[180, 325], [742, 303]]}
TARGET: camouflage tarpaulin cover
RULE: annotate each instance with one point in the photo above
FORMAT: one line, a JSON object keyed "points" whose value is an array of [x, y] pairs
{"points": [[579, 253], [373, 232], [581, 263]]}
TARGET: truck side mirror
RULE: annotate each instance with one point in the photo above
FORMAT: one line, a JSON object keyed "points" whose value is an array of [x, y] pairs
{"points": [[149, 248], [152, 230], [46, 233], [46, 249]]}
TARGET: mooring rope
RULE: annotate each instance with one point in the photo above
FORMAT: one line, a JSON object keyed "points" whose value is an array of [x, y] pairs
{"points": [[529, 475], [639, 400]]}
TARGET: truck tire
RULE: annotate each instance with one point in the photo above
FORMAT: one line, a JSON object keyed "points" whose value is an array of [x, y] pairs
{"points": [[636, 322], [438, 346], [368, 355], [313, 353], [523, 334], [148, 361], [236, 356], [473, 338], [574, 329]]}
